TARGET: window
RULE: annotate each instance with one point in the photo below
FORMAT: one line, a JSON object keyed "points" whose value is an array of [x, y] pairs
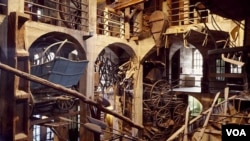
{"points": [[197, 66], [220, 68], [236, 68], [41, 133], [195, 106]]}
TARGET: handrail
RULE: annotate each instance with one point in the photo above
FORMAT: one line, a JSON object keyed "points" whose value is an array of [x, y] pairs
{"points": [[53, 12], [183, 13], [110, 23]]}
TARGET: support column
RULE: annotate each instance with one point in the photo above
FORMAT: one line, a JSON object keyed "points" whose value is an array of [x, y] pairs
{"points": [[86, 82], [16, 93]]}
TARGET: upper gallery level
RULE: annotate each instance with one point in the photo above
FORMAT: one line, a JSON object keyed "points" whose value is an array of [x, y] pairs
{"points": [[120, 18]]}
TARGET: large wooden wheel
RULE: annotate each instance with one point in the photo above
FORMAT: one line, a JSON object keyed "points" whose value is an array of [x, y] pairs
{"points": [[179, 114], [160, 94], [158, 137], [70, 13], [65, 102], [163, 118]]}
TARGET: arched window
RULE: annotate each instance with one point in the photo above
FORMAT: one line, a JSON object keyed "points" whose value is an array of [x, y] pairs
{"points": [[195, 106], [197, 62]]}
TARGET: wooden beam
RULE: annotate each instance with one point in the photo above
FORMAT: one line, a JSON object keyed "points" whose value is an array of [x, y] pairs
{"points": [[229, 50], [126, 3], [227, 75], [68, 91], [226, 93], [37, 121], [186, 124], [208, 117], [127, 25], [232, 61]]}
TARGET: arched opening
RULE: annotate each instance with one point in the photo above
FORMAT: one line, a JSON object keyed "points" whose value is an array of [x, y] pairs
{"points": [[195, 106], [186, 65], [115, 70], [58, 58]]}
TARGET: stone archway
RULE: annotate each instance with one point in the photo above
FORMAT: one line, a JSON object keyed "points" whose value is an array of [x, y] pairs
{"points": [[61, 59], [114, 78], [53, 37]]}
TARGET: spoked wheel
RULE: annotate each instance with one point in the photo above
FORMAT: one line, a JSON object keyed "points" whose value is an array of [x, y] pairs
{"points": [[70, 13], [158, 137], [31, 105], [65, 102], [163, 118], [160, 94], [179, 114]]}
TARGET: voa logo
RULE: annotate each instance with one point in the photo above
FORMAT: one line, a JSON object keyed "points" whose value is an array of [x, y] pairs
{"points": [[236, 132]]}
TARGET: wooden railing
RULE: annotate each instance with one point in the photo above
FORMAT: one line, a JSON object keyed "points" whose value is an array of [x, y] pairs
{"points": [[65, 13], [110, 23], [181, 12]]}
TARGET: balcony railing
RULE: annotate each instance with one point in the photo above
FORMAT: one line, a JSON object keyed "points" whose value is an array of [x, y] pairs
{"points": [[66, 13], [181, 12], [110, 23]]}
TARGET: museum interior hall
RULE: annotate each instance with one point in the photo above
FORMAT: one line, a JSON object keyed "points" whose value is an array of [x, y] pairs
{"points": [[123, 70]]}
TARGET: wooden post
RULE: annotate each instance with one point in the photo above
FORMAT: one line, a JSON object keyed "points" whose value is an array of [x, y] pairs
{"points": [[186, 125], [15, 91], [122, 26], [138, 23], [226, 92], [106, 22], [127, 26], [186, 12], [208, 116]]}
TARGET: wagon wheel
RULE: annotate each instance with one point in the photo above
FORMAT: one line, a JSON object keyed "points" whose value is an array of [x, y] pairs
{"points": [[158, 137], [160, 94], [163, 118], [70, 13], [179, 114], [65, 102], [31, 105]]}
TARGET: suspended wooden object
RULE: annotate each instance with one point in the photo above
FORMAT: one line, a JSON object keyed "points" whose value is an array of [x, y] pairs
{"points": [[93, 127], [232, 61], [100, 123], [158, 23], [229, 59]]}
